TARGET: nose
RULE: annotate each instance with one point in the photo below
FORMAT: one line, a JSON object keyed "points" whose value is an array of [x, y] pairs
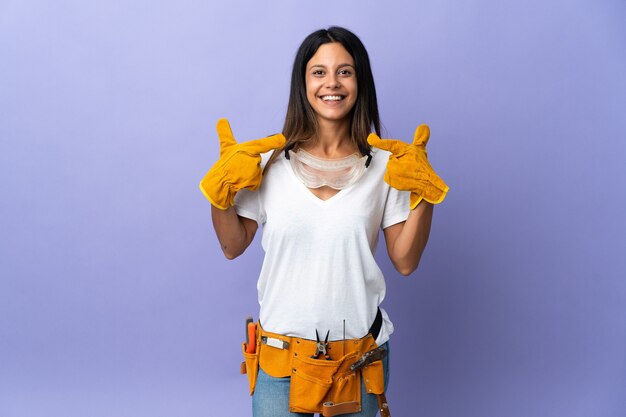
{"points": [[333, 81]]}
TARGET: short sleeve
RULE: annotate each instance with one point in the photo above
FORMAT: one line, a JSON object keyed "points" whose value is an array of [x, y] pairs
{"points": [[248, 205], [397, 207]]}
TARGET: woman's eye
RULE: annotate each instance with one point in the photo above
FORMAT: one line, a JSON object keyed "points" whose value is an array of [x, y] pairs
{"points": [[345, 72], [318, 72]]}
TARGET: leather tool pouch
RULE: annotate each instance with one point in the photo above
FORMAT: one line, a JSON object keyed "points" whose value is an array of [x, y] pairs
{"points": [[274, 361], [374, 378], [318, 385], [319, 382], [250, 365]]}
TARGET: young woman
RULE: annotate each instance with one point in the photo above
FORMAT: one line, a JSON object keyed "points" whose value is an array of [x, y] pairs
{"points": [[322, 191]]}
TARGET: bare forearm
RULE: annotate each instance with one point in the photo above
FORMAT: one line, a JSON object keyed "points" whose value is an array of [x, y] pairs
{"points": [[231, 230], [410, 242]]}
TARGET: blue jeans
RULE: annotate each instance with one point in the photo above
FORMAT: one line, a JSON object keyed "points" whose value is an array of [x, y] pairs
{"points": [[271, 396]]}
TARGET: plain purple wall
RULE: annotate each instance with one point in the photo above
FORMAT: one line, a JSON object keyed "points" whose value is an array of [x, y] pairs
{"points": [[115, 299]]}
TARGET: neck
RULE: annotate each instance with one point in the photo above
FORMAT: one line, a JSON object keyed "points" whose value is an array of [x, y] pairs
{"points": [[333, 140]]}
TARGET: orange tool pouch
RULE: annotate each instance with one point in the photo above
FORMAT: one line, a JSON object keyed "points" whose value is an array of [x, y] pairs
{"points": [[319, 385], [250, 365]]}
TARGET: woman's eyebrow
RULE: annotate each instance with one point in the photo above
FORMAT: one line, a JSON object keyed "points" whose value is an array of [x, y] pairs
{"points": [[324, 66]]}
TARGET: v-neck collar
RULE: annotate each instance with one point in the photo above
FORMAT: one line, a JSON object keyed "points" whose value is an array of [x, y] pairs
{"points": [[308, 191]]}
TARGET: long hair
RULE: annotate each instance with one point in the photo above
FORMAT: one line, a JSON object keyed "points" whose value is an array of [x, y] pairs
{"points": [[301, 123]]}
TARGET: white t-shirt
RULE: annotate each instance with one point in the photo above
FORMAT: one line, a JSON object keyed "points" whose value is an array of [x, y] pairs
{"points": [[319, 267]]}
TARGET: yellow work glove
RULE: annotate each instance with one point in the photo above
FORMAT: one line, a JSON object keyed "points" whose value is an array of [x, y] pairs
{"points": [[239, 166], [408, 168]]}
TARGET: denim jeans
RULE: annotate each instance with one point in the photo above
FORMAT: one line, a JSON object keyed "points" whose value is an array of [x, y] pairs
{"points": [[271, 396]]}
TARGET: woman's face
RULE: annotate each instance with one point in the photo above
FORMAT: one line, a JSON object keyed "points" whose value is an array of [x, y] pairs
{"points": [[331, 86]]}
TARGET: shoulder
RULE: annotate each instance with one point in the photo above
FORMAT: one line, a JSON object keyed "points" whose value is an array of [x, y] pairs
{"points": [[379, 159], [266, 157], [380, 155]]}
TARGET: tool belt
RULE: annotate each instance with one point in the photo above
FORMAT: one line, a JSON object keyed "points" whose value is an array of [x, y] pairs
{"points": [[328, 384]]}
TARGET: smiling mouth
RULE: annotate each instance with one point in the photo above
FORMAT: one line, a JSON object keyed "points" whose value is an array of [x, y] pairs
{"points": [[332, 98]]}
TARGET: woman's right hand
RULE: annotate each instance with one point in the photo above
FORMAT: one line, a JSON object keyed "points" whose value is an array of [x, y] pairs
{"points": [[239, 166]]}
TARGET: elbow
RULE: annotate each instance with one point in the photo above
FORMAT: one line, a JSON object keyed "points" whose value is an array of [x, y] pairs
{"points": [[230, 254], [406, 271], [406, 268], [233, 248]]}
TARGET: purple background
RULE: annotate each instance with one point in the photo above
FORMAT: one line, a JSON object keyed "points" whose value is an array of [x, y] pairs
{"points": [[115, 299]]}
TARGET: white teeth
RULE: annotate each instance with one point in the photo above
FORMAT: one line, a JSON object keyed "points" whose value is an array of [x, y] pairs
{"points": [[332, 98]]}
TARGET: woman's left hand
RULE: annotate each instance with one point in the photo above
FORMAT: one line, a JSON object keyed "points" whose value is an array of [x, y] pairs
{"points": [[408, 168]]}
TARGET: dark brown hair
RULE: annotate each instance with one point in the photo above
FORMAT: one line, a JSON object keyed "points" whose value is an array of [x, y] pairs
{"points": [[301, 122]]}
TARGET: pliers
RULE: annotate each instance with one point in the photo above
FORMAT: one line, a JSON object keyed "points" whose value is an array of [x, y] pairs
{"points": [[322, 347]]}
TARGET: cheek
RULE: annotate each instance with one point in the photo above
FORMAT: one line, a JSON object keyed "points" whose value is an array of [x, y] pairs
{"points": [[354, 87], [310, 88], [354, 92], [310, 97]]}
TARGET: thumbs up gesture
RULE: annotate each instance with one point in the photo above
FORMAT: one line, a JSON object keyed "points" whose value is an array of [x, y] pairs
{"points": [[408, 168], [239, 166]]}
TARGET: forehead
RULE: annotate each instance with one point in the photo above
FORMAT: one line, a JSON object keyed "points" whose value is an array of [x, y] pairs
{"points": [[330, 55]]}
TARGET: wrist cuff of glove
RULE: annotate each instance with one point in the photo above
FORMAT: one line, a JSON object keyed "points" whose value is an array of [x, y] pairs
{"points": [[220, 201], [435, 199], [415, 200]]}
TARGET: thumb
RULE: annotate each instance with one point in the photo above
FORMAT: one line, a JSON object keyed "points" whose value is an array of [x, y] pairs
{"points": [[391, 145], [259, 146], [225, 135], [422, 133]]}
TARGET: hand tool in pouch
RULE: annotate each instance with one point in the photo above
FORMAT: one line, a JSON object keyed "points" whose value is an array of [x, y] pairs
{"points": [[250, 336], [322, 347], [368, 357]]}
